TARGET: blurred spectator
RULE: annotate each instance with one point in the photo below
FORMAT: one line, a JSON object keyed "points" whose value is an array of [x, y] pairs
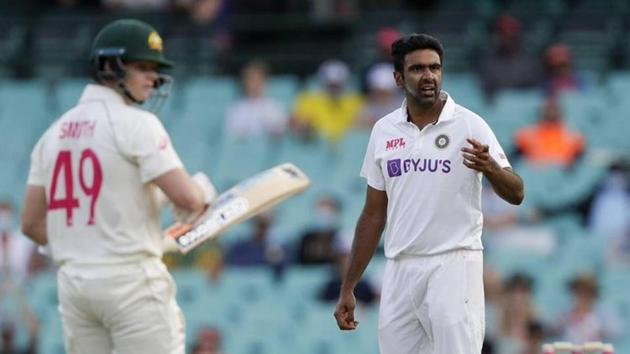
{"points": [[506, 226], [15, 250], [507, 66], [535, 338], [204, 12], [257, 249], [70, 4], [383, 95], [365, 292], [255, 114], [210, 260], [609, 214], [560, 76], [212, 19], [330, 112], [586, 321], [493, 291], [550, 141], [15, 315], [319, 244], [383, 39], [328, 10], [136, 4], [208, 341], [517, 312], [8, 342]]}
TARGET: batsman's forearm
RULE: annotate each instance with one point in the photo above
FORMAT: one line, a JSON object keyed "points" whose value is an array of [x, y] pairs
{"points": [[366, 239], [507, 184], [36, 232]]}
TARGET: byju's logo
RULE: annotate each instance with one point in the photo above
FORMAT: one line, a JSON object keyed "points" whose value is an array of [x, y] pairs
{"points": [[397, 167], [393, 168]]}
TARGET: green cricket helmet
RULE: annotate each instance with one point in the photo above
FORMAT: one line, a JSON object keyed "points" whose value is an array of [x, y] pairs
{"points": [[124, 41], [130, 40]]}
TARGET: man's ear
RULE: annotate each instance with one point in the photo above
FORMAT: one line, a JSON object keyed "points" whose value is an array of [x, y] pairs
{"points": [[400, 80]]}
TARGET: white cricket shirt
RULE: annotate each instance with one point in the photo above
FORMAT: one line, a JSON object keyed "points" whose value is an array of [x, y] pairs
{"points": [[434, 200], [95, 163]]}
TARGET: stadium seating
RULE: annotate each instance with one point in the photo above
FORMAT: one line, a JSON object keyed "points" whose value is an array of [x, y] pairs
{"points": [[258, 313]]}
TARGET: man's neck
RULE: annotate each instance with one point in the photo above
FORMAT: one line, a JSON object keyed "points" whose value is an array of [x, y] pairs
{"points": [[422, 116]]}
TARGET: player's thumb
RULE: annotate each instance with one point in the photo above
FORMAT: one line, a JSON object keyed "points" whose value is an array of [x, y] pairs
{"points": [[349, 313]]}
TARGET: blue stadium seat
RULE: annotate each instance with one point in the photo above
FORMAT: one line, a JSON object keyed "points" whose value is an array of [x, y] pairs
{"points": [[465, 89], [206, 100], [297, 213], [249, 285], [51, 340], [240, 159], [68, 92], [588, 114], [348, 155], [555, 187], [42, 292], [614, 121], [26, 109], [283, 88], [315, 157], [616, 289], [617, 86], [512, 110], [303, 283]]}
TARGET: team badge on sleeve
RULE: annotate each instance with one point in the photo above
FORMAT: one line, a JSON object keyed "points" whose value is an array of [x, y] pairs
{"points": [[442, 141]]}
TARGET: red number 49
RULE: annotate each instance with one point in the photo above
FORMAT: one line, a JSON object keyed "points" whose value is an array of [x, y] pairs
{"points": [[63, 164]]}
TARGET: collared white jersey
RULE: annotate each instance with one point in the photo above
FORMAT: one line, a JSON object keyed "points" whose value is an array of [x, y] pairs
{"points": [[434, 200], [96, 163]]}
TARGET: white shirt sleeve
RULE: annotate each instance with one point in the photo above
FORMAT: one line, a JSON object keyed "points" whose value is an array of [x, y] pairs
{"points": [[371, 170], [485, 135], [149, 145], [36, 172], [236, 121], [277, 117]]}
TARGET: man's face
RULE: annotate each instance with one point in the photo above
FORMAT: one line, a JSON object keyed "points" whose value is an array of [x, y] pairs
{"points": [[254, 83], [141, 78], [421, 77], [551, 112]]}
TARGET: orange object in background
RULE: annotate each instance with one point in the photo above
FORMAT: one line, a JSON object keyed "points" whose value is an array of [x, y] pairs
{"points": [[550, 141]]}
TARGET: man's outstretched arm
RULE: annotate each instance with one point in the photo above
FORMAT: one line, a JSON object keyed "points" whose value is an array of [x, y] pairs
{"points": [[366, 239]]}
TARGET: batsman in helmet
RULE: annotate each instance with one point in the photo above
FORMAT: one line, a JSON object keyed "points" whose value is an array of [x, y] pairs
{"points": [[93, 200]]}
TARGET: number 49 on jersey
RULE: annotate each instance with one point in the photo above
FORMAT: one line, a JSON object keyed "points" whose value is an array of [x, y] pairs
{"points": [[90, 187]]}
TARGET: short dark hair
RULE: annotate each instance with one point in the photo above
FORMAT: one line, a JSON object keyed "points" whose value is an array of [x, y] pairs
{"points": [[256, 64], [405, 45], [519, 281]]}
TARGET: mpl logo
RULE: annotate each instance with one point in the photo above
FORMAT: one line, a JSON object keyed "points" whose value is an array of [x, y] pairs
{"points": [[394, 144]]}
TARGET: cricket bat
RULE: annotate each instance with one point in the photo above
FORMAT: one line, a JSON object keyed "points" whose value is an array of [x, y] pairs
{"points": [[243, 201]]}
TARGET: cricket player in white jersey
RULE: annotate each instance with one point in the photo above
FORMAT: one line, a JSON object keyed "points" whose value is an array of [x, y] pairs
{"points": [[423, 165], [92, 196]]}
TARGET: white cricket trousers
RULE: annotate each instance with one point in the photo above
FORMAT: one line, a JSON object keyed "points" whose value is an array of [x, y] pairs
{"points": [[433, 304], [121, 309]]}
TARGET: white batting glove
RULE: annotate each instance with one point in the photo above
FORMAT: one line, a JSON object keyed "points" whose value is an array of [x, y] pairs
{"points": [[203, 181], [209, 193]]}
